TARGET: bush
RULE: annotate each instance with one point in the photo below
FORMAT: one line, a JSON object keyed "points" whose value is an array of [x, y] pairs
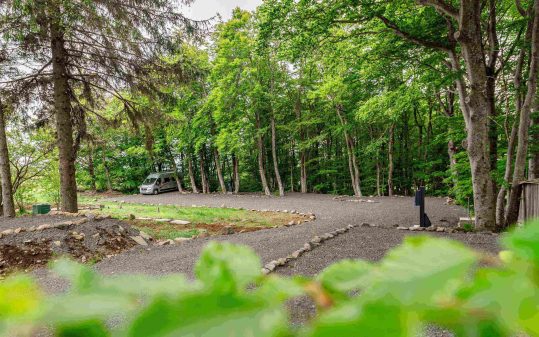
{"points": [[424, 281]]}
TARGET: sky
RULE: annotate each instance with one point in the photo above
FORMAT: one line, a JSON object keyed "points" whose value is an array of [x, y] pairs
{"points": [[205, 9]]}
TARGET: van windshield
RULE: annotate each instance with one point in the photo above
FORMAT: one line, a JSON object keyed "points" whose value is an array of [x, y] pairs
{"points": [[149, 181]]}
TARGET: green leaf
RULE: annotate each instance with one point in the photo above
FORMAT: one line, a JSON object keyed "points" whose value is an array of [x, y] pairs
{"points": [[345, 276], [226, 267], [523, 242], [81, 277], [423, 270], [210, 315], [92, 328]]}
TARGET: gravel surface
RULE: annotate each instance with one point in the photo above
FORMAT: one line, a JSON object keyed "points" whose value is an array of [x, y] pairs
{"points": [[332, 213]]}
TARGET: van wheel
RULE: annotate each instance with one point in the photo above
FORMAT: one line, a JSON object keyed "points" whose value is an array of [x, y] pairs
{"points": [[155, 192]]}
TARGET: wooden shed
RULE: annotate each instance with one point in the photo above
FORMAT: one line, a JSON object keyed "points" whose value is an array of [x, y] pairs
{"points": [[529, 201]]}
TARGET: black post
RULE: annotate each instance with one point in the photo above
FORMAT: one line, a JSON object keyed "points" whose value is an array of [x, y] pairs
{"points": [[424, 220]]}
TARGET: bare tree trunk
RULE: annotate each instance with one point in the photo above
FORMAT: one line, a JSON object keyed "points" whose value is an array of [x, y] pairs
{"points": [[218, 169], [533, 172], [64, 127], [274, 155], [107, 172], [261, 168], [8, 206], [303, 172], [352, 163], [192, 174], [203, 176], [390, 159], [513, 204], [378, 190], [236, 169], [500, 200], [176, 174]]}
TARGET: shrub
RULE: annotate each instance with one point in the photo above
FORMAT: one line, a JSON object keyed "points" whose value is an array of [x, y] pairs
{"points": [[424, 281]]}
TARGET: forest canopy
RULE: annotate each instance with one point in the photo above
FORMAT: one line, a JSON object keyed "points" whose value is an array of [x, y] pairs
{"points": [[342, 97]]}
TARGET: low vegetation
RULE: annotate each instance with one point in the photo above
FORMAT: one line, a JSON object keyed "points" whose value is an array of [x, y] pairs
{"points": [[201, 219], [425, 281]]}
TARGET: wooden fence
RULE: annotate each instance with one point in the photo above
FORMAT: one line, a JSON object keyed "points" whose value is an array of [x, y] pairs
{"points": [[529, 202]]}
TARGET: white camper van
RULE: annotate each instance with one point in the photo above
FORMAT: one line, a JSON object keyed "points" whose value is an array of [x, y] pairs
{"points": [[156, 183]]}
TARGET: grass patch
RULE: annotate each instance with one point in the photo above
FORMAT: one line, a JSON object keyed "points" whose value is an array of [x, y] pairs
{"points": [[202, 219]]}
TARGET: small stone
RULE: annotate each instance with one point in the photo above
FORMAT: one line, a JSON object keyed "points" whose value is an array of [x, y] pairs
{"points": [[265, 271], [57, 243], [296, 254], [440, 229], [78, 237], [270, 266], [80, 221], [402, 228], [281, 261], [163, 220], [145, 236], [431, 229], [365, 224], [291, 223], [139, 239], [180, 222], [307, 247], [83, 259], [181, 240], [312, 217], [298, 222], [95, 236], [285, 211], [316, 240], [27, 241], [18, 230], [8, 232]]}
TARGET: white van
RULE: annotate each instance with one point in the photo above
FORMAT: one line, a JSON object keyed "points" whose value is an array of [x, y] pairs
{"points": [[156, 183]]}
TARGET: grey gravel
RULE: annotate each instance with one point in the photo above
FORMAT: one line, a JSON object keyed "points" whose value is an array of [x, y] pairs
{"points": [[366, 242]]}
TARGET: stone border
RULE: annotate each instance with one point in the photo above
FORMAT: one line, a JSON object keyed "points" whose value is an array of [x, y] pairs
{"points": [[61, 225], [316, 241], [441, 229]]}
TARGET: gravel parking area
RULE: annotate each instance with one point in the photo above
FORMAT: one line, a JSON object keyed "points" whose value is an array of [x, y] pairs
{"points": [[369, 243]]}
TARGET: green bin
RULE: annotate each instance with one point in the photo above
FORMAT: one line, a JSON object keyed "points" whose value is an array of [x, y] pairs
{"points": [[41, 209]]}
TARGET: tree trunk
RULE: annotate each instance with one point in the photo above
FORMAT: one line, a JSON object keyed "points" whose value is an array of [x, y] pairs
{"points": [[274, 155], [236, 169], [524, 124], [352, 163], [176, 174], [203, 176], [107, 172], [500, 200], [64, 127], [261, 168], [219, 171], [390, 159], [8, 206], [192, 174], [378, 190], [533, 172]]}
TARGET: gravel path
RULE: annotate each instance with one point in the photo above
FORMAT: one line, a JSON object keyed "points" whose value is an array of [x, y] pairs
{"points": [[361, 242]]}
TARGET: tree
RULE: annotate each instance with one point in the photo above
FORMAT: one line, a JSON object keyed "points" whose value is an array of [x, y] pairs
{"points": [[84, 48]]}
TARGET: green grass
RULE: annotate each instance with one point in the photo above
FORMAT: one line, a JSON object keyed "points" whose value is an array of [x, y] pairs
{"points": [[201, 218], [198, 215]]}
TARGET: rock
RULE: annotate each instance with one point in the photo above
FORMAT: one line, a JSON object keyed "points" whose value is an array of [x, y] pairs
{"points": [[285, 211], [139, 239], [312, 217], [450, 230], [80, 221], [281, 261], [181, 240], [265, 271], [298, 222], [296, 254], [145, 236], [307, 247], [90, 216], [165, 242], [402, 228], [163, 220], [291, 223], [8, 232], [143, 218], [270, 266], [57, 243], [316, 240], [180, 222], [327, 236], [18, 230], [341, 230], [79, 237], [31, 229], [365, 224], [96, 236], [440, 229]]}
